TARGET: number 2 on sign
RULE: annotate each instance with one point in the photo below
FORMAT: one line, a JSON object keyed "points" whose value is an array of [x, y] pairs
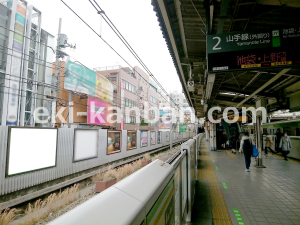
{"points": [[216, 46]]}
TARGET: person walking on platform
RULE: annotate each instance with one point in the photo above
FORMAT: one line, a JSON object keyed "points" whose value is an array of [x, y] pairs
{"points": [[269, 144], [232, 142], [246, 147], [240, 138], [224, 139], [277, 140], [285, 144]]}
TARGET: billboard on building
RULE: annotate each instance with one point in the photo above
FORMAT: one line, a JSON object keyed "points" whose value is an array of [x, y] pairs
{"points": [[16, 62], [97, 112], [81, 79]]}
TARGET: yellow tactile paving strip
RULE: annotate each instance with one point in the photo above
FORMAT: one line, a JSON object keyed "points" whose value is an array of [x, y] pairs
{"points": [[220, 213]]}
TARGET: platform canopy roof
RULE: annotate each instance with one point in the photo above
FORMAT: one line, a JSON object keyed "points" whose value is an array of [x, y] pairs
{"points": [[185, 25]]}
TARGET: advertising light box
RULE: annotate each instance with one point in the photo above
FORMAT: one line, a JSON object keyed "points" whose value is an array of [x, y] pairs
{"points": [[131, 140], [114, 138], [30, 149], [85, 144], [144, 138], [152, 137]]}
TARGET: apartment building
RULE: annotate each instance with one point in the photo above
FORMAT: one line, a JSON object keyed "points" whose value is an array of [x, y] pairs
{"points": [[132, 88]]}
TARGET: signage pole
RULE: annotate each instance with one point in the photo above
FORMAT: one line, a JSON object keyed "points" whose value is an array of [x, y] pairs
{"points": [[55, 78], [259, 162]]}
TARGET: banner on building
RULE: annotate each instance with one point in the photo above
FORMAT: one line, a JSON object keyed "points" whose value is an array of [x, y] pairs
{"points": [[81, 79], [16, 64], [97, 112]]}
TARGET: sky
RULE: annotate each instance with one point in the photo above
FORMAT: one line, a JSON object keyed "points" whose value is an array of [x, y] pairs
{"points": [[136, 21]]}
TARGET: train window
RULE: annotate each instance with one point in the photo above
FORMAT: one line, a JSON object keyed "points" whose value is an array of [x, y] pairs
{"points": [[287, 130], [265, 130], [297, 131]]}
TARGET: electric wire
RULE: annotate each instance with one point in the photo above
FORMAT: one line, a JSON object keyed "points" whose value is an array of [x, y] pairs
{"points": [[119, 54]]}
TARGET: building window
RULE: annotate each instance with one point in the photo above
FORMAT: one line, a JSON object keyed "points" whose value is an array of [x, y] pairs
{"points": [[131, 73], [153, 88], [152, 112], [154, 100], [129, 103], [154, 124], [130, 87], [143, 80], [129, 119], [112, 78]]}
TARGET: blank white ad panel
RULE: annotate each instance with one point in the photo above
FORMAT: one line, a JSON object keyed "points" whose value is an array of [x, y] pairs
{"points": [[31, 149], [85, 144]]}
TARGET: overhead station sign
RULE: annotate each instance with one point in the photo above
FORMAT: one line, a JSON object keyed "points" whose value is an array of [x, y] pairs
{"points": [[253, 50]]}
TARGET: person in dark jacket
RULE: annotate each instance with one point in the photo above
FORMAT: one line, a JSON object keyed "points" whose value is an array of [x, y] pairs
{"points": [[224, 139], [232, 142], [246, 147], [277, 140]]}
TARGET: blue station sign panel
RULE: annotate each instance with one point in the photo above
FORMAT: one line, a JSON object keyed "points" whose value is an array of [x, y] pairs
{"points": [[253, 50]]}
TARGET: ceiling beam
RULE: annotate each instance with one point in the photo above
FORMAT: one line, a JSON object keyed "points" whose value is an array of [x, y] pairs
{"points": [[167, 23], [181, 28], [235, 89], [252, 80], [223, 14], [196, 40], [264, 85], [230, 103], [192, 60]]}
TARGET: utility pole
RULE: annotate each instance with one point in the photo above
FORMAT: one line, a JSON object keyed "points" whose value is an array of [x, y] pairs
{"points": [[138, 91], [55, 77], [70, 117]]}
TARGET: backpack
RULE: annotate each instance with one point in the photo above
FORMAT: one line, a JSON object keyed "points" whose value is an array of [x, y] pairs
{"points": [[247, 145]]}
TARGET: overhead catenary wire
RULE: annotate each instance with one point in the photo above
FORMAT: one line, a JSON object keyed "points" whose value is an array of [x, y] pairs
{"points": [[150, 74], [117, 32], [56, 87]]}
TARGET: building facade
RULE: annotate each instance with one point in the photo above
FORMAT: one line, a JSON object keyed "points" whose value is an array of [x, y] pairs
{"points": [[133, 88], [26, 56]]}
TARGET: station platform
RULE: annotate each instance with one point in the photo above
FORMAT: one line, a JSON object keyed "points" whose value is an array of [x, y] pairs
{"points": [[226, 194]]}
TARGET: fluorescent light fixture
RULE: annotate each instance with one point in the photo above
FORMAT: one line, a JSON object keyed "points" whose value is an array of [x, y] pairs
{"points": [[210, 84], [30, 149]]}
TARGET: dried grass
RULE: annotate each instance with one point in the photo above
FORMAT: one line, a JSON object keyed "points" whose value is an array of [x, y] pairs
{"points": [[120, 172], [7, 216], [41, 208], [146, 157]]}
